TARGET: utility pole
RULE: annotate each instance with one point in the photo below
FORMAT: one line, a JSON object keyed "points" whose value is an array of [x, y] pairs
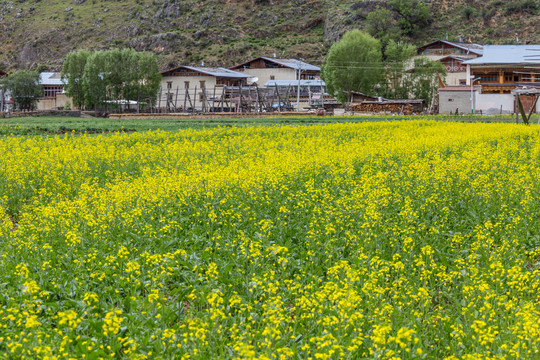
{"points": [[472, 96]]}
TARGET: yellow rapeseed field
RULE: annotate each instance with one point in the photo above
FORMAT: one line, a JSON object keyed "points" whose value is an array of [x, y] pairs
{"points": [[395, 240]]}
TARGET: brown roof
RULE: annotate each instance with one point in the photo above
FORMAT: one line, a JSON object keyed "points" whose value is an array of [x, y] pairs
{"points": [[284, 63], [474, 48]]}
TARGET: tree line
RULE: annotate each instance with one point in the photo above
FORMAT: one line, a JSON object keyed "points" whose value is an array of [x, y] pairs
{"points": [[93, 79]]}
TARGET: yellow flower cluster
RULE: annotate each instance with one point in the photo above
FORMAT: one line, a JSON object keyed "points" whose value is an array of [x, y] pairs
{"points": [[389, 240]]}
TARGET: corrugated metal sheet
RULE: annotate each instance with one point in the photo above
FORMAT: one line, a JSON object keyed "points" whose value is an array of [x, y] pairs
{"points": [[50, 78], [217, 72], [508, 54], [293, 64], [291, 83]]}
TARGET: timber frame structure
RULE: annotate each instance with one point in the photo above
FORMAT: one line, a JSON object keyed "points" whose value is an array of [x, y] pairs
{"points": [[534, 93]]}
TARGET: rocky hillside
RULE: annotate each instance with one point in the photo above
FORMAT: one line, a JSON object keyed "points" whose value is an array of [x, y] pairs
{"points": [[38, 33]]}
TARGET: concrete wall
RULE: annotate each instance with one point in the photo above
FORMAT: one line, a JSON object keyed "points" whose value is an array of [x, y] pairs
{"points": [[449, 101], [54, 103], [179, 81], [491, 104], [484, 103], [195, 95], [453, 79], [265, 74]]}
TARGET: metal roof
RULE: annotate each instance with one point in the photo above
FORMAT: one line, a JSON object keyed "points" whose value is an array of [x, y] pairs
{"points": [[526, 91], [293, 64], [508, 54], [217, 72], [50, 78], [271, 83], [471, 47]]}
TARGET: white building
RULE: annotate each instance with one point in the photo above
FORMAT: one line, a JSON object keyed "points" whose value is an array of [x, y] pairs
{"points": [[501, 69], [54, 97], [268, 69]]}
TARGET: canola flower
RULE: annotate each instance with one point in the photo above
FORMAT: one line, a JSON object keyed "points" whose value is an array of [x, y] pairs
{"points": [[401, 240]]}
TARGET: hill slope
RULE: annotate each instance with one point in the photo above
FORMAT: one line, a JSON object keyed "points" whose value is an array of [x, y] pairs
{"points": [[40, 32]]}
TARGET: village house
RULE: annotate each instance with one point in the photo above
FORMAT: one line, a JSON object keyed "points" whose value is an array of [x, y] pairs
{"points": [[54, 97], [452, 55], [267, 69], [491, 79], [193, 88]]}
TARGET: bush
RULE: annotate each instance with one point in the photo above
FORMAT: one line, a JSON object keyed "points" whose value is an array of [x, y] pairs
{"points": [[520, 7]]}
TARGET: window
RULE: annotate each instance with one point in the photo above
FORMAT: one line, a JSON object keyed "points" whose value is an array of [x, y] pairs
{"points": [[203, 84], [272, 77], [489, 78], [51, 91], [186, 84], [462, 82], [169, 84]]}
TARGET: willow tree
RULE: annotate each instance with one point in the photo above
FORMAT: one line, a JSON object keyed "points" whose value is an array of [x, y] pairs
{"points": [[353, 64], [72, 74], [119, 75]]}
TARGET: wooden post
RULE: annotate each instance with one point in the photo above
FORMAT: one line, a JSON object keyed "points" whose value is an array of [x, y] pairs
{"points": [[223, 89], [214, 100], [159, 100], [272, 101], [176, 100], [168, 107], [278, 99], [195, 99], [186, 95], [239, 98], [258, 103], [203, 102]]}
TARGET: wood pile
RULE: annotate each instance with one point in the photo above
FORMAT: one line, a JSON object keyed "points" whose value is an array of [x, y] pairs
{"points": [[407, 107]]}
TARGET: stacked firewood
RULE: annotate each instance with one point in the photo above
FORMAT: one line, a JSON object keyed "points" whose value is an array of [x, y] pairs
{"points": [[406, 109]]}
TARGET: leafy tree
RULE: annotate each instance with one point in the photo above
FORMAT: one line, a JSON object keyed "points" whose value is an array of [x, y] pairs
{"points": [[381, 25], [24, 88], [423, 80], [398, 56], [411, 15], [353, 64], [94, 81], [119, 75], [72, 75]]}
